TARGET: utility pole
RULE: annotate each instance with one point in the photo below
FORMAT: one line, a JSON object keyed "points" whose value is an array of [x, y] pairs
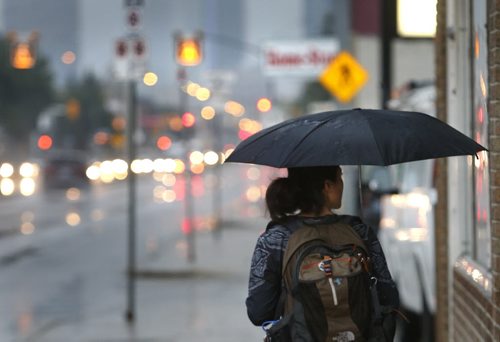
{"points": [[188, 52], [133, 48]]}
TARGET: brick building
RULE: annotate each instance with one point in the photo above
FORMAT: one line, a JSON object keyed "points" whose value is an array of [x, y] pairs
{"points": [[468, 210]]}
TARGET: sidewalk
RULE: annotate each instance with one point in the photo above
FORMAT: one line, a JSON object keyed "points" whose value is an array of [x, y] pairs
{"points": [[179, 301]]}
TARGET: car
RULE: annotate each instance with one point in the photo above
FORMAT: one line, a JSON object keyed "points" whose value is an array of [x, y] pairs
{"points": [[64, 170]]}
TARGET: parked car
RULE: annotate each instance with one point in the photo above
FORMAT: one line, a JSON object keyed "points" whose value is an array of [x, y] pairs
{"points": [[65, 169], [405, 197]]}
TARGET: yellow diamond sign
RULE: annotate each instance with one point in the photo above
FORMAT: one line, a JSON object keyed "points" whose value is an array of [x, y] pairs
{"points": [[344, 77]]}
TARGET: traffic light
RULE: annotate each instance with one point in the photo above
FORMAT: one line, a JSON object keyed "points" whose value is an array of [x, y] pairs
{"points": [[23, 53], [188, 51], [44, 142]]}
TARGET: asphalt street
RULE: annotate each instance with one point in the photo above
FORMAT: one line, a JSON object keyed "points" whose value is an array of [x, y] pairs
{"points": [[67, 279]]}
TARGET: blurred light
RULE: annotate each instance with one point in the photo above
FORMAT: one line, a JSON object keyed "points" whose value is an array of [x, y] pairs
{"points": [[28, 170], [253, 194], [250, 126], [6, 170], [73, 219], [27, 228], [44, 142], [106, 173], [196, 157], [242, 134], [169, 196], [416, 18], [188, 119], [197, 169], [208, 113], [23, 55], [253, 173], [150, 79], [387, 222], [192, 88], [73, 194], [169, 179], [101, 138], [175, 123], [203, 94], [136, 166], [170, 165], [119, 168], [211, 158], [68, 57], [159, 166], [73, 109], [27, 186], [186, 226], [188, 51], [147, 165], [7, 186], [119, 123], [158, 191], [93, 172], [417, 200], [264, 105], [163, 143], [198, 186], [179, 166], [234, 108]]}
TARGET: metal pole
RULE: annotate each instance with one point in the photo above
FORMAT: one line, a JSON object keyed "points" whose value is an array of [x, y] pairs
{"points": [[388, 19], [217, 192], [131, 153], [188, 199]]}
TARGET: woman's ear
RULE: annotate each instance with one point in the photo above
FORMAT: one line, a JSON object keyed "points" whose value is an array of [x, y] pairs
{"points": [[328, 185]]}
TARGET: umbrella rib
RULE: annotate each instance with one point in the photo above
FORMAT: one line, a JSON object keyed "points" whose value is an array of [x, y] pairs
{"points": [[301, 140], [381, 155]]}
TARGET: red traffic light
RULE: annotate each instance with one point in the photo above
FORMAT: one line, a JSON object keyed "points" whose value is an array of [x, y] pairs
{"points": [[44, 142]]}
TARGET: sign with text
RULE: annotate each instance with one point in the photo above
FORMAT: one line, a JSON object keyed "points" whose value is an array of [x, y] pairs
{"points": [[306, 58]]}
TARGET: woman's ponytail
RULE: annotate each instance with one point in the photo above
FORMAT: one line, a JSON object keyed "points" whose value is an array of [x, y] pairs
{"points": [[281, 198]]}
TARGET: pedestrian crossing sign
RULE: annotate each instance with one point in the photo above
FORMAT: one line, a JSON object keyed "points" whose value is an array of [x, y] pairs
{"points": [[343, 77]]}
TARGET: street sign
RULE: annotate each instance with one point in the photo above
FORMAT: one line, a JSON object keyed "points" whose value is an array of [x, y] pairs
{"points": [[133, 19], [304, 58], [130, 61], [344, 77]]}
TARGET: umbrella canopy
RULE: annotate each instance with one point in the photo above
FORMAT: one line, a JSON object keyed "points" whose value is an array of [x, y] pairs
{"points": [[354, 137]]}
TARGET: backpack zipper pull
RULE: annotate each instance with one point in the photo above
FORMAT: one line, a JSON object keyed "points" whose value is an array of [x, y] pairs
{"points": [[326, 266]]}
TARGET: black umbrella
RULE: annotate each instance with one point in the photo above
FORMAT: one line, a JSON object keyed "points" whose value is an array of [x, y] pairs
{"points": [[354, 137]]}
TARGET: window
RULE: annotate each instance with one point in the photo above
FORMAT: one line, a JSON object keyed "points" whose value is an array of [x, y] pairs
{"points": [[481, 244]]}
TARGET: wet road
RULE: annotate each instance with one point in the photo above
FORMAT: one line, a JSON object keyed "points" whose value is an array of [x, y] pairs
{"points": [[63, 253]]}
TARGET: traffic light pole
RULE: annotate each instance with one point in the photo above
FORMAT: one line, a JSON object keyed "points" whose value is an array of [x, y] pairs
{"points": [[131, 212], [188, 226]]}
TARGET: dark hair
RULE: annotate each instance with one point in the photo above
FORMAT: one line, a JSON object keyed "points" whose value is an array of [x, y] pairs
{"points": [[301, 191]]}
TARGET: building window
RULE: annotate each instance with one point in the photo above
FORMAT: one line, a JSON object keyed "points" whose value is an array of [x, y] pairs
{"points": [[481, 235]]}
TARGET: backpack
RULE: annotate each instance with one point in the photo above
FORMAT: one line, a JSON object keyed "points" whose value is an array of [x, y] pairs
{"points": [[327, 292]]}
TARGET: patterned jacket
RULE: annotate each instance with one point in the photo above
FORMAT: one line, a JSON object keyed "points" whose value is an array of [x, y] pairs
{"points": [[264, 286]]}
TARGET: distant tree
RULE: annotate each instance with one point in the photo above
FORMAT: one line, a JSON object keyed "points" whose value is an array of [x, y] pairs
{"points": [[89, 96], [23, 94]]}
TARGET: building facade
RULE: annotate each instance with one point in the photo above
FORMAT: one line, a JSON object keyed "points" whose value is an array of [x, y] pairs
{"points": [[468, 210]]}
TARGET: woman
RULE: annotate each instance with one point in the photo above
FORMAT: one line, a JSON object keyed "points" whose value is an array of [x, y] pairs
{"points": [[307, 193]]}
